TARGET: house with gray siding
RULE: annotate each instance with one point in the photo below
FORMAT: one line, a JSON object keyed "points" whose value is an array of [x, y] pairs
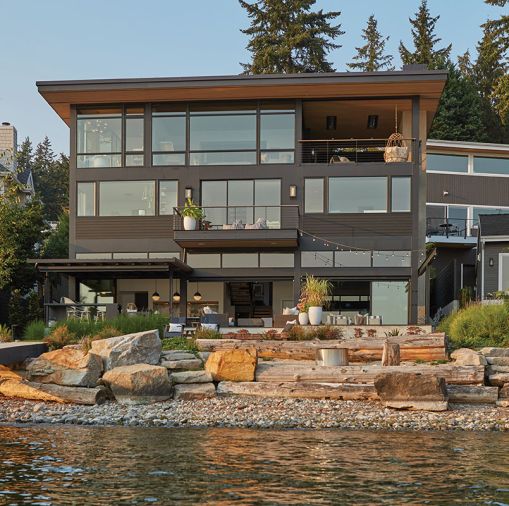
{"points": [[295, 175]]}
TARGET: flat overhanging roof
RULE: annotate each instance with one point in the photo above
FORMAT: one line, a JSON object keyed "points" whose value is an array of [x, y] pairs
{"points": [[428, 84], [71, 265]]}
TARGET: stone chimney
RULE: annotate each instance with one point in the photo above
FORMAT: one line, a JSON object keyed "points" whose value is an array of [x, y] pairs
{"points": [[8, 145]]}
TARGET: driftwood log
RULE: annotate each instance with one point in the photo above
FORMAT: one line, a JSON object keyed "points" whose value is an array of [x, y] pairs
{"points": [[53, 393], [282, 373], [390, 354], [428, 348], [355, 392], [471, 394]]}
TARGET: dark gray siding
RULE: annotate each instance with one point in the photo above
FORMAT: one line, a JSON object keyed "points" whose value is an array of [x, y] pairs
{"points": [[492, 250]]}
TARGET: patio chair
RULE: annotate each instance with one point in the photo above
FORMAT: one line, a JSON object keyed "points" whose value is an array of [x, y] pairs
{"points": [[174, 329]]}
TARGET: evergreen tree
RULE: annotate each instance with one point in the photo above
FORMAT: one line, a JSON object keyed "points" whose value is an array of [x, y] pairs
{"points": [[425, 41], [459, 116], [465, 65], [371, 57], [286, 36], [51, 179], [24, 156], [500, 26], [57, 243]]}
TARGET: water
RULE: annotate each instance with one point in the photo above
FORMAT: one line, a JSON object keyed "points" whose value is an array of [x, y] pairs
{"points": [[114, 465]]}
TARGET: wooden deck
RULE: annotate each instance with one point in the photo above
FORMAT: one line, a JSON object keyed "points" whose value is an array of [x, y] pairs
{"points": [[18, 351]]}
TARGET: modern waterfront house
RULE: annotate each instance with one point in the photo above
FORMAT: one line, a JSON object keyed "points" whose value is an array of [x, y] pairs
{"points": [[465, 181], [293, 175]]}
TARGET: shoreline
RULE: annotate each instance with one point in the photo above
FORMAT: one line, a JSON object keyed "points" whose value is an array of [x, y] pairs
{"points": [[244, 412]]}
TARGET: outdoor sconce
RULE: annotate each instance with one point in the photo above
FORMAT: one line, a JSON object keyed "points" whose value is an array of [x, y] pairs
{"points": [[372, 120], [293, 191], [176, 297], [445, 193], [491, 262], [188, 193], [331, 122]]}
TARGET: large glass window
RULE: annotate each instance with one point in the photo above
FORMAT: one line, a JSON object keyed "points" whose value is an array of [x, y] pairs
{"points": [[389, 299], [223, 137], [401, 194], [392, 259], [277, 135], [97, 291], [313, 195], [204, 260], [357, 194], [503, 277], [349, 298], [447, 163], [246, 201], [99, 142], [487, 165], [487, 210], [168, 135], [127, 198], [168, 196], [134, 137], [240, 260], [86, 199]]}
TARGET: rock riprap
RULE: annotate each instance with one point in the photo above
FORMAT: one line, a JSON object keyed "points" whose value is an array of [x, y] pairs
{"points": [[498, 365], [466, 356], [131, 349], [412, 391], [138, 383], [194, 391], [232, 365], [70, 366]]}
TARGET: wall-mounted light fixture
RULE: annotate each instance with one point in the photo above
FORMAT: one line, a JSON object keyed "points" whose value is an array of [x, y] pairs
{"points": [[445, 193], [372, 120], [331, 122], [293, 191], [188, 193], [176, 297], [491, 262]]}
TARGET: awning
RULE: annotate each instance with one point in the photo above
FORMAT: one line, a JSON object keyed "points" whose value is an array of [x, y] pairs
{"points": [[74, 266]]}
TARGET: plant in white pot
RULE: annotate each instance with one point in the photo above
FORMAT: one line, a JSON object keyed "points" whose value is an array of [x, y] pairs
{"points": [[303, 308], [315, 291], [191, 213]]}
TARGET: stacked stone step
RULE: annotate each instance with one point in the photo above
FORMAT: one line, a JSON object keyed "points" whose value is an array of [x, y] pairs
{"points": [[190, 381], [498, 372]]}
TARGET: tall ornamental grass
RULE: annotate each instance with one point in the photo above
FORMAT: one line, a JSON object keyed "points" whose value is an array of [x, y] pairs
{"points": [[477, 325]]}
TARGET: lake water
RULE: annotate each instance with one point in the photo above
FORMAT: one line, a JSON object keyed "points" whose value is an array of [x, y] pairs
{"points": [[115, 465]]}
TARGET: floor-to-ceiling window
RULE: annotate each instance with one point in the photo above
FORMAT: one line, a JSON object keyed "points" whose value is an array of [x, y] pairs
{"points": [[389, 299]]}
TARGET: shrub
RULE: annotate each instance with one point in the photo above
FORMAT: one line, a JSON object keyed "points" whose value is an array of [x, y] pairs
{"points": [[325, 332], [35, 331], [202, 333], [180, 343], [298, 333], [5, 334], [60, 336], [478, 325]]}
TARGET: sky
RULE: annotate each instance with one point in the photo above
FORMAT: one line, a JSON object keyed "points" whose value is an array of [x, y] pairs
{"points": [[90, 39]]}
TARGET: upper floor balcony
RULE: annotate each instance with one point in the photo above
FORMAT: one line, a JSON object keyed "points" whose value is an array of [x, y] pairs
{"points": [[451, 230], [238, 227]]}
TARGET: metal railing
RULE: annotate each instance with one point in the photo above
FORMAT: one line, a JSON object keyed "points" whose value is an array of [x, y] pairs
{"points": [[451, 227], [332, 151], [251, 217]]}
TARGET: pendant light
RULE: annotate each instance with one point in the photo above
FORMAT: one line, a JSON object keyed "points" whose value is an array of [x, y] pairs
{"points": [[155, 296], [197, 294], [176, 297]]}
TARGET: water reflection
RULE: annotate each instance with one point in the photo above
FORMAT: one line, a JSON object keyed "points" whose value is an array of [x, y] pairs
{"points": [[105, 465]]}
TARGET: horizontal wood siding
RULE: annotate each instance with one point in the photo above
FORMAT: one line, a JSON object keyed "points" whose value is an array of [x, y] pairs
{"points": [[480, 190], [359, 225], [125, 227]]}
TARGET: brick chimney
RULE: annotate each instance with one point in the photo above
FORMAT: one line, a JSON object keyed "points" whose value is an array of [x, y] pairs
{"points": [[8, 145]]}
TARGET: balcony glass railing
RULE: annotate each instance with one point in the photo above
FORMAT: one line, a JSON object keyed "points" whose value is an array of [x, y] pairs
{"points": [[252, 217], [342, 151], [451, 227]]}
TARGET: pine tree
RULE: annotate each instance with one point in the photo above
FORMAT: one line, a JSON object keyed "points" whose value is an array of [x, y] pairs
{"points": [[465, 65], [500, 26], [24, 156], [459, 116], [425, 40], [371, 57], [51, 179], [286, 36], [57, 243]]}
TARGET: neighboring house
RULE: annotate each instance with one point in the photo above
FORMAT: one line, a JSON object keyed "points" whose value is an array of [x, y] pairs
{"points": [[8, 168], [465, 180], [289, 170], [493, 247]]}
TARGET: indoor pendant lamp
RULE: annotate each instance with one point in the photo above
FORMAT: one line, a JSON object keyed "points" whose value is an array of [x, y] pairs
{"points": [[197, 294], [155, 296], [176, 297]]}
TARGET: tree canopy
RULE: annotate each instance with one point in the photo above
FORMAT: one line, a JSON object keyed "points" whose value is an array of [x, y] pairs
{"points": [[372, 57], [287, 36]]}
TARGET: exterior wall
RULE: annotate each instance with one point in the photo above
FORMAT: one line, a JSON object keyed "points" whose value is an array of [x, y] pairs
{"points": [[281, 291], [488, 276]]}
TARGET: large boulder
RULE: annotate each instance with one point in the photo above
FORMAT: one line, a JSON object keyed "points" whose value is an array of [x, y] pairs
{"points": [[138, 384], [414, 391], [466, 356], [70, 366], [495, 352], [503, 396], [138, 348], [195, 392], [191, 377], [232, 365]]}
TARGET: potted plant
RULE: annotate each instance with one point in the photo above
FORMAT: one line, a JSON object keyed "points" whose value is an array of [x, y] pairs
{"points": [[191, 213], [315, 292], [303, 308]]}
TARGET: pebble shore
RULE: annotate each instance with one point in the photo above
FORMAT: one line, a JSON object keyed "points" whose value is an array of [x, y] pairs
{"points": [[258, 413]]}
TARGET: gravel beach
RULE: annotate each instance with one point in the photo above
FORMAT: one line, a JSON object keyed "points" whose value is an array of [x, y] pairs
{"points": [[258, 413]]}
